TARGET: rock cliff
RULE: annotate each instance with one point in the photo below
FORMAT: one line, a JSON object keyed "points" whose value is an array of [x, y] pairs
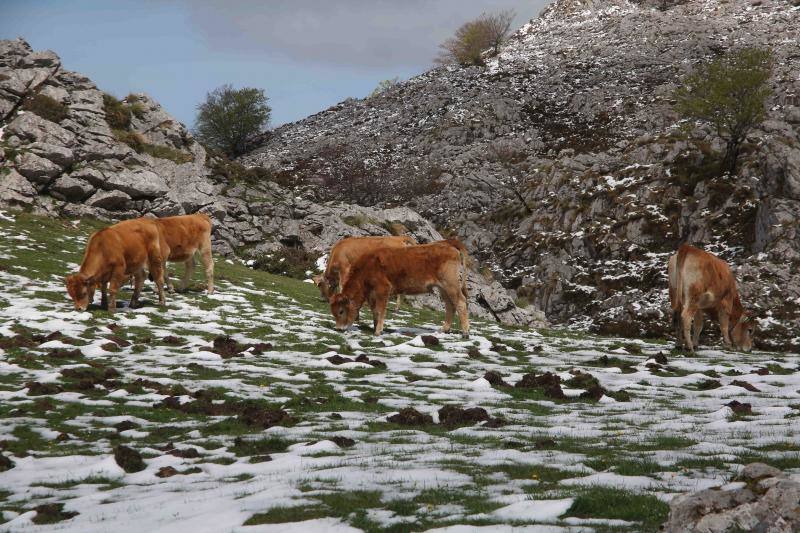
{"points": [[68, 149], [563, 165]]}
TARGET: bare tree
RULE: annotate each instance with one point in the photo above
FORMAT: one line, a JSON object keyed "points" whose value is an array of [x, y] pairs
{"points": [[473, 38]]}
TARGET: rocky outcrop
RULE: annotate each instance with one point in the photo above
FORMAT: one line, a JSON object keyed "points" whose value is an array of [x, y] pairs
{"points": [[73, 163], [563, 166], [763, 499]]}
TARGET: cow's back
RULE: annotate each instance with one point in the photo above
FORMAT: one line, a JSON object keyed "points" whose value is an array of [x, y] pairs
{"points": [[123, 245], [184, 234], [350, 249], [410, 268], [699, 272]]}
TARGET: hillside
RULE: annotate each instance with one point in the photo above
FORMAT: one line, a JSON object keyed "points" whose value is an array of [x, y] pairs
{"points": [[563, 166], [67, 149], [247, 407]]}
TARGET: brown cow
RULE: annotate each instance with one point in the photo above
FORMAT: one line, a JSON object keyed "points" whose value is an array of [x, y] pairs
{"points": [[700, 282], [407, 270], [112, 256], [184, 236], [344, 255]]}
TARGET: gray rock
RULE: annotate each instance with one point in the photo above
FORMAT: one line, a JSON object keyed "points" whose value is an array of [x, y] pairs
{"points": [[33, 128], [138, 183], [15, 189], [110, 200], [71, 189], [59, 155], [767, 502], [37, 169]]}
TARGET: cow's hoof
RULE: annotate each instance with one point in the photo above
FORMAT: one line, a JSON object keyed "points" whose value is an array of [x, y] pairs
{"points": [[465, 335]]}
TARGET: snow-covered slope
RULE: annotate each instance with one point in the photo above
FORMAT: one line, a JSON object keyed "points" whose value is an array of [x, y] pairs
{"points": [[248, 407]]}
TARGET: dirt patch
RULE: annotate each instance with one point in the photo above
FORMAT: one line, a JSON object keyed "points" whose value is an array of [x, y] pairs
{"points": [[709, 384], [265, 418], [342, 442], [544, 444], [125, 425], [453, 416], [408, 416], [38, 389], [606, 361], [129, 459], [119, 341], [50, 513], [745, 385], [495, 379], [63, 353], [429, 340], [166, 471], [373, 362], [762, 371], [338, 359], [172, 340], [548, 382], [473, 352], [5, 463], [227, 347], [660, 358], [740, 408]]}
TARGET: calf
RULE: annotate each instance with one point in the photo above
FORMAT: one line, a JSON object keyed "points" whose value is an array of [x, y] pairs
{"points": [[185, 235], [112, 256], [699, 283], [408, 270], [346, 253]]}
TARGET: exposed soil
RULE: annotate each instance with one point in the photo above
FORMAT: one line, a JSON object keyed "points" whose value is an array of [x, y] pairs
{"points": [[50, 513], [709, 384], [548, 382], [495, 379], [740, 408], [342, 442], [453, 416], [429, 340], [745, 385], [125, 425], [374, 362], [129, 459], [408, 416]]}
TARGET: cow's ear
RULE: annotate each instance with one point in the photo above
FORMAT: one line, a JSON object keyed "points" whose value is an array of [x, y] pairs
{"points": [[345, 300]]}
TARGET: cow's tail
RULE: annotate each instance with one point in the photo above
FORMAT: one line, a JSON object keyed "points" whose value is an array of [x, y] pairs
{"points": [[676, 291], [462, 251]]}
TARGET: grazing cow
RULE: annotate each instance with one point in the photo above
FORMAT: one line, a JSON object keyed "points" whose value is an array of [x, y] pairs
{"points": [[699, 283], [185, 235], [112, 256], [344, 255], [408, 270]]}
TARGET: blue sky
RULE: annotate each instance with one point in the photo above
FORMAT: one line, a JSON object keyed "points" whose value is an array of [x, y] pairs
{"points": [[306, 54]]}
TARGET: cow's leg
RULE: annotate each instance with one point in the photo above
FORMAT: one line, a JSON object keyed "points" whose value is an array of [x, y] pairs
{"points": [[449, 310], [724, 325], [381, 301], [156, 270], [460, 303], [103, 295], [113, 288], [686, 321], [138, 281], [678, 327], [167, 280], [697, 327], [188, 272], [208, 266]]}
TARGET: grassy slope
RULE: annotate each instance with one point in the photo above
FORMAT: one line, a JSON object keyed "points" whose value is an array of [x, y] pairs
{"points": [[613, 460]]}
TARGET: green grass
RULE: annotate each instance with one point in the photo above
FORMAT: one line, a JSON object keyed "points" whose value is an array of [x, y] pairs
{"points": [[605, 502]]}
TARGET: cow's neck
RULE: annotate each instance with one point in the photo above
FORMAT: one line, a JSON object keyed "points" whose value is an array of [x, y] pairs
{"points": [[736, 311]]}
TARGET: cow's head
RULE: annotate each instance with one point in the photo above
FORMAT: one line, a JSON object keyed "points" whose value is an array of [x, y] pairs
{"points": [[81, 289], [344, 311], [323, 286], [743, 331]]}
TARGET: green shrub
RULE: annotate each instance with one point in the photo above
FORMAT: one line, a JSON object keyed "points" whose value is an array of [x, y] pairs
{"points": [[46, 107], [118, 115], [730, 94], [229, 117]]}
